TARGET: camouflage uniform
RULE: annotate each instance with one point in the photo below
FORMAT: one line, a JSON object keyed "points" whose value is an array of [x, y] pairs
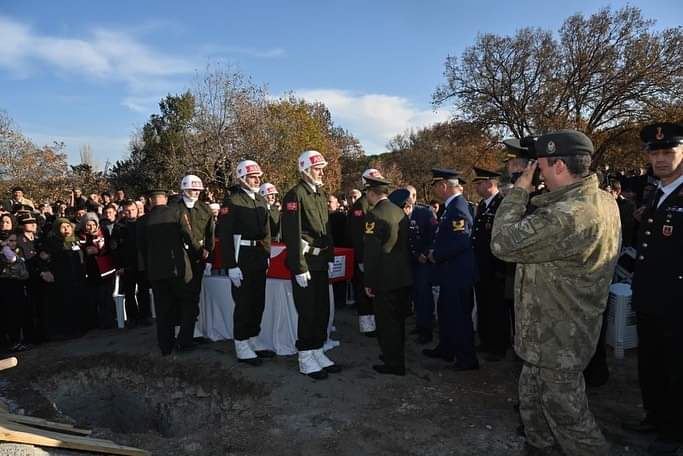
{"points": [[565, 253]]}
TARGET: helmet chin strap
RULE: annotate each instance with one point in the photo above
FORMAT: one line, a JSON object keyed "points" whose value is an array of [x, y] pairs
{"points": [[189, 200], [248, 187], [310, 180]]}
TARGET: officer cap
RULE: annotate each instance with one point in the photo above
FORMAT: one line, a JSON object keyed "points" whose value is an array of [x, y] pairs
{"points": [[439, 174], [376, 181], [399, 197], [26, 218], [17, 189], [481, 174], [563, 143], [157, 192], [520, 148], [662, 135]]}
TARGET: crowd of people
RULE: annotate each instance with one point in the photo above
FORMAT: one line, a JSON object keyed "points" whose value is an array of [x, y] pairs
{"points": [[537, 255]]}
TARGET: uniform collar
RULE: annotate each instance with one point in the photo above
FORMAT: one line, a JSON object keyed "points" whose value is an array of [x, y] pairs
{"points": [[668, 189], [488, 200], [451, 198]]}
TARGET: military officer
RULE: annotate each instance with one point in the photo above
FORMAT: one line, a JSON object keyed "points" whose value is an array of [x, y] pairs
{"points": [[356, 220], [388, 275], [423, 224], [244, 232], [269, 192], [197, 216], [455, 273], [493, 315], [162, 237], [658, 290], [565, 252], [306, 233]]}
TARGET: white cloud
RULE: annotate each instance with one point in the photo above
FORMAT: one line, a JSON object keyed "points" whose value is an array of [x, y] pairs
{"points": [[373, 118]]}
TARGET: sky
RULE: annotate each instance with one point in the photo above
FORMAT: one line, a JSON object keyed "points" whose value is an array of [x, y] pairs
{"points": [[86, 72]]}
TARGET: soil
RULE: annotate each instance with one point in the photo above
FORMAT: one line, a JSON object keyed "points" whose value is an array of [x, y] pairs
{"points": [[205, 403]]}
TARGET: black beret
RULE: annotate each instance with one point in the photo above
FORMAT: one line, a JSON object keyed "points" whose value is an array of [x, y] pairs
{"points": [[564, 143], [439, 174], [521, 148], [399, 197], [481, 174], [662, 135]]}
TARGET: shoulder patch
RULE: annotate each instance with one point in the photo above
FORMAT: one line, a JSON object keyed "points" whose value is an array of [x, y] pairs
{"points": [[358, 213], [369, 227], [224, 210], [292, 206]]}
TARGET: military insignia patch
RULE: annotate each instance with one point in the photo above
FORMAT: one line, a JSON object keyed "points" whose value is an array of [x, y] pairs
{"points": [[358, 213], [550, 148], [667, 230], [659, 136], [369, 227], [458, 225], [224, 211], [292, 206]]}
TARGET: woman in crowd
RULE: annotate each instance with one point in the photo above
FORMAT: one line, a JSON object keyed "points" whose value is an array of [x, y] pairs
{"points": [[100, 273], [13, 277], [6, 223]]}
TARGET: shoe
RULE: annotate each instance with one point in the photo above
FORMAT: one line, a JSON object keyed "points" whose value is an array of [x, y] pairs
{"points": [[424, 338], [663, 447], [265, 353], [459, 368], [319, 375], [384, 369], [251, 361], [645, 426], [437, 354], [370, 334], [333, 369], [180, 348]]}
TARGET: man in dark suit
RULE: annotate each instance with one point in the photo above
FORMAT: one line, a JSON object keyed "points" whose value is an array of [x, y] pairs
{"points": [[388, 275], [658, 291], [162, 255], [626, 210], [455, 273]]}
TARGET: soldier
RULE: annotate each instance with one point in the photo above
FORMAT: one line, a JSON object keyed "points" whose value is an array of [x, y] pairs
{"points": [[162, 255], [455, 273], [306, 233], [423, 224], [658, 291], [388, 275], [356, 218], [493, 314], [197, 217], [565, 252], [244, 231], [269, 192]]}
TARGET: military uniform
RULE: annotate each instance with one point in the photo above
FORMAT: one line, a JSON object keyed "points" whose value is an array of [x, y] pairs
{"points": [[492, 311], [356, 220], [658, 295], [133, 285], [388, 275], [423, 223], [200, 224], [455, 274], [246, 217], [305, 218], [565, 252], [162, 237], [274, 220]]}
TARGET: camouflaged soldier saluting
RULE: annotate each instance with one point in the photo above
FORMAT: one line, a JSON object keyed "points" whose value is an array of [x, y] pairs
{"points": [[565, 253]]}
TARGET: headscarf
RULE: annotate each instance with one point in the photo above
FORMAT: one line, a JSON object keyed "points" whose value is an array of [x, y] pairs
{"points": [[68, 241]]}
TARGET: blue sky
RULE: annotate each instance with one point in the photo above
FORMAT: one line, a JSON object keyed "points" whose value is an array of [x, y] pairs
{"points": [[87, 72]]}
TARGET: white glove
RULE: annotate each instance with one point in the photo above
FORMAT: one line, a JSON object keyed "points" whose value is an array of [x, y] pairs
{"points": [[302, 279], [236, 276], [361, 267]]}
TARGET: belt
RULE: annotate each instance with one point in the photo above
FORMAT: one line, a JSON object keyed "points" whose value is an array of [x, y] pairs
{"points": [[251, 243], [315, 251]]}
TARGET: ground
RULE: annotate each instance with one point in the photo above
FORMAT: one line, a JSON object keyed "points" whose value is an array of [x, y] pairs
{"points": [[205, 403]]}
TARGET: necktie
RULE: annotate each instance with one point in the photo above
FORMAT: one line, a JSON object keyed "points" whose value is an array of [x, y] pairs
{"points": [[658, 195]]}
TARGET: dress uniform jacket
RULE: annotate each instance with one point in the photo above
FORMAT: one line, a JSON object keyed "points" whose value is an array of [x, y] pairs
{"points": [[356, 219], [423, 224], [488, 266], [387, 257], [199, 221], [658, 278], [305, 218], [453, 252], [274, 219], [249, 218]]}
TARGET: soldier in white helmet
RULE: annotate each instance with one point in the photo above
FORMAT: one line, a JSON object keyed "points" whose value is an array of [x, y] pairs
{"points": [[244, 232], [306, 232], [197, 217], [269, 192]]}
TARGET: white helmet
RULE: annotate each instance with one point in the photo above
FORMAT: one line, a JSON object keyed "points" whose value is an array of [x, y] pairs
{"points": [[370, 172], [247, 167], [191, 182], [309, 158], [268, 189]]}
